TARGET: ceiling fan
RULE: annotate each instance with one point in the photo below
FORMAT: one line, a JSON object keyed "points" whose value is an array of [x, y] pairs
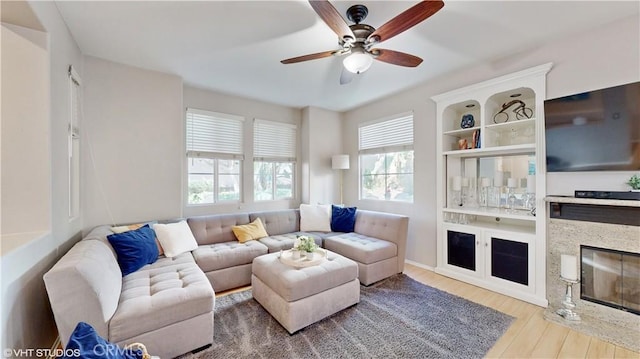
{"points": [[357, 40]]}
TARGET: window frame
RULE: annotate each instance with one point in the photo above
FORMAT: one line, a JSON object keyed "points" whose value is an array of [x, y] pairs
{"points": [[216, 182], [216, 154], [378, 143], [274, 181], [283, 154]]}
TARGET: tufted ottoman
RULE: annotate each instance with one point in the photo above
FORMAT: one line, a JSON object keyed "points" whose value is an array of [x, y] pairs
{"points": [[298, 297]]}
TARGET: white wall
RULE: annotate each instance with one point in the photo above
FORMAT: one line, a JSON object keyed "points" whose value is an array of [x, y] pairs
{"points": [[322, 134], [26, 195], [27, 321], [598, 58], [250, 110], [131, 144]]}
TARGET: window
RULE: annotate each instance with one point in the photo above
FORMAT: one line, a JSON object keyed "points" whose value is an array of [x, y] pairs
{"points": [[214, 156], [73, 140], [274, 158], [386, 159]]}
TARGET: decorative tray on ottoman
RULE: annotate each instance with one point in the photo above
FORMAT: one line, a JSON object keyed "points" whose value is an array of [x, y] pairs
{"points": [[319, 256]]}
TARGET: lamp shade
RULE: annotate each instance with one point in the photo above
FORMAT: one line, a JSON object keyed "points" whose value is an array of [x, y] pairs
{"points": [[340, 162], [358, 62]]}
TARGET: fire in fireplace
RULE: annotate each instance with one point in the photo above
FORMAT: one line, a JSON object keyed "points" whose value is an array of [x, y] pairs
{"points": [[611, 278]]}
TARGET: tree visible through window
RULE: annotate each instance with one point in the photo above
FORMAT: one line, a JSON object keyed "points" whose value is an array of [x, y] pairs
{"points": [[213, 180], [387, 176], [386, 159], [273, 180], [274, 146]]}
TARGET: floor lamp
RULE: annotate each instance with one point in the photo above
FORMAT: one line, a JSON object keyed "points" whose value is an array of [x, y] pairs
{"points": [[340, 162]]}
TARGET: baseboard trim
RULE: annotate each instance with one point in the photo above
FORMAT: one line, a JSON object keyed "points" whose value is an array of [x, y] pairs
{"points": [[423, 266]]}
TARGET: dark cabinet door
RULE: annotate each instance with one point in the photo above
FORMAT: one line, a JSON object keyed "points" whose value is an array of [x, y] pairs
{"points": [[461, 249], [510, 260]]}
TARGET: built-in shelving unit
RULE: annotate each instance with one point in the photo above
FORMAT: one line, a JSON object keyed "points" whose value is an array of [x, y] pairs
{"points": [[491, 185]]}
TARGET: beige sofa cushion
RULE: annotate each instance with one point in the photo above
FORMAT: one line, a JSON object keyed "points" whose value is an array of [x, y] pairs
{"points": [[212, 257], [159, 295], [279, 222], [361, 248], [216, 228], [84, 285]]}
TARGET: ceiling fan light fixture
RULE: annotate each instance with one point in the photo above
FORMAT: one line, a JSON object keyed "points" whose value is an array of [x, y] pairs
{"points": [[358, 62]]}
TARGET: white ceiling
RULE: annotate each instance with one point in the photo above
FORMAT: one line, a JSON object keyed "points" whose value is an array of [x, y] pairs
{"points": [[235, 47]]}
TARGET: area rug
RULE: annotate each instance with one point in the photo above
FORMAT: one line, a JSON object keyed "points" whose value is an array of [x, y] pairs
{"points": [[396, 318]]}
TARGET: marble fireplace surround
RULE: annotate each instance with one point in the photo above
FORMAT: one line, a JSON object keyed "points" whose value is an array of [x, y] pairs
{"points": [[565, 237]]}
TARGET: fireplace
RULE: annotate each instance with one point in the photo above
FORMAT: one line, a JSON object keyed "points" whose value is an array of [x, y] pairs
{"points": [[610, 277], [608, 253]]}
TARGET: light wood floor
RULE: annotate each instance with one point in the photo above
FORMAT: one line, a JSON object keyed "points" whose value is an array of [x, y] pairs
{"points": [[530, 336]]}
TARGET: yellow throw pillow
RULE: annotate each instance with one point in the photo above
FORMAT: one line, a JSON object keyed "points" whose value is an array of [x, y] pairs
{"points": [[247, 232]]}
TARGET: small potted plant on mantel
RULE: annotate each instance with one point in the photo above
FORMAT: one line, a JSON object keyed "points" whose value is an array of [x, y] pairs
{"points": [[305, 244], [634, 182]]}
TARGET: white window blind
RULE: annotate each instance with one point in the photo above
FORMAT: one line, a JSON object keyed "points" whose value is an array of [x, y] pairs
{"points": [[75, 82], [74, 142], [274, 141], [387, 136], [214, 135]]}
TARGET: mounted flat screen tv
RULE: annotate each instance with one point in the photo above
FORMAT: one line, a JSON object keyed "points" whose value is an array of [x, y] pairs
{"points": [[594, 131]]}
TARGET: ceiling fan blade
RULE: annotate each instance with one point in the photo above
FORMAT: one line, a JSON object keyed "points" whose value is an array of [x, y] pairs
{"points": [[396, 57], [318, 55], [346, 76], [332, 18], [406, 20]]}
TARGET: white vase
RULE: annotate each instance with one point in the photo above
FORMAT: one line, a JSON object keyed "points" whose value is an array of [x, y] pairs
{"points": [[309, 255]]}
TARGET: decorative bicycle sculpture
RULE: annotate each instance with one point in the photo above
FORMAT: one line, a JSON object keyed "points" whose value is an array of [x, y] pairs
{"points": [[521, 111]]}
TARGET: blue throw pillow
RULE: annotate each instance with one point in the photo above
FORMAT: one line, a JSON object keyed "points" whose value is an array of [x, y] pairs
{"points": [[135, 248], [87, 344], [343, 219]]}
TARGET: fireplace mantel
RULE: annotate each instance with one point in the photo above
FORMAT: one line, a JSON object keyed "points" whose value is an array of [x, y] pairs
{"points": [[594, 201], [564, 236]]}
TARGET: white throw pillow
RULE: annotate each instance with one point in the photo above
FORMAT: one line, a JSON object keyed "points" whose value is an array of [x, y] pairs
{"points": [[315, 217], [175, 238]]}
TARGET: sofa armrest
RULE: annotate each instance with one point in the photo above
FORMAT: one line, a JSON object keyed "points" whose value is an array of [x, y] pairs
{"points": [[387, 226], [84, 285]]}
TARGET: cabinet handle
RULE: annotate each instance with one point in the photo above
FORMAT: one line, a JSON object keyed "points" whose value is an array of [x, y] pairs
{"points": [[478, 242], [486, 244]]}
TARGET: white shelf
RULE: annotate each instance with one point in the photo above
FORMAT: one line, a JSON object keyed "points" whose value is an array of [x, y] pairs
{"points": [[463, 132], [511, 125], [494, 226], [523, 215], [528, 148]]}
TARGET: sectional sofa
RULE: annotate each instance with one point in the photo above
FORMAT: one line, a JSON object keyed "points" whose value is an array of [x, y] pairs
{"points": [[169, 305]]}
